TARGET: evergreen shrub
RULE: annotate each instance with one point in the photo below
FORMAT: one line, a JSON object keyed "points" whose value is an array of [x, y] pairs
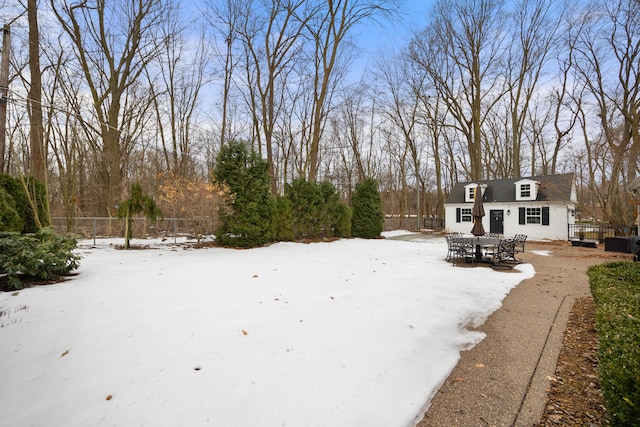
{"points": [[342, 224], [284, 219], [317, 210], [137, 203], [9, 218], [368, 219], [616, 291], [16, 189], [35, 256], [249, 212]]}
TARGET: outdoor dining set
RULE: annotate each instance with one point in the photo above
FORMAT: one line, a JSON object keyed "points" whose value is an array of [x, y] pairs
{"points": [[487, 248]]}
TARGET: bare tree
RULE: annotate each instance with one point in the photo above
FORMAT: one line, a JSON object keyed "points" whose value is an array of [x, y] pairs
{"points": [[330, 29], [462, 49], [402, 105], [34, 100], [608, 55], [113, 42], [272, 41], [535, 35], [176, 79], [226, 18]]}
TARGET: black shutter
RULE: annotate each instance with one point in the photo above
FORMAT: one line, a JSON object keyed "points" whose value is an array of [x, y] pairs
{"points": [[545, 215], [458, 215], [522, 216]]}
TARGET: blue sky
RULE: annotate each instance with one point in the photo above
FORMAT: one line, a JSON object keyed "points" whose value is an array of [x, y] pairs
{"points": [[375, 38]]}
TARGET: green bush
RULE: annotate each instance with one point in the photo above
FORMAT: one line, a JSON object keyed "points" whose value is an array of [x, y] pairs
{"points": [[284, 219], [368, 219], [317, 211], [9, 218], [30, 257], [137, 203], [616, 291], [249, 213], [16, 189], [342, 225]]}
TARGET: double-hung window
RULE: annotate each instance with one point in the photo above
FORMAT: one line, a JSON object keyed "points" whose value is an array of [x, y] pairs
{"points": [[465, 215], [534, 216]]}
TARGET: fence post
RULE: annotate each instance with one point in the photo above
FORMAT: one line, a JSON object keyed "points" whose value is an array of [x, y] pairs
{"points": [[175, 233], [94, 231]]}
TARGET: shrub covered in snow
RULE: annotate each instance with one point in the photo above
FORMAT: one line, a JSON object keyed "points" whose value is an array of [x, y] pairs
{"points": [[33, 257]]}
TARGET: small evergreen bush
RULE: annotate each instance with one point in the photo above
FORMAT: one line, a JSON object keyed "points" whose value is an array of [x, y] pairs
{"points": [[137, 203], [284, 220], [16, 189], [38, 256], [616, 292], [9, 218], [368, 219], [306, 205], [317, 211], [342, 224], [249, 213]]}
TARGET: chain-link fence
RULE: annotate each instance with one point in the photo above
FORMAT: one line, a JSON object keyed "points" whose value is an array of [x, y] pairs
{"points": [[172, 228], [412, 223], [106, 227]]}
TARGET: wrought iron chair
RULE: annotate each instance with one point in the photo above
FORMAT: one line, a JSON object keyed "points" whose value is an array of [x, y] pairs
{"points": [[505, 252], [520, 239], [453, 240], [466, 250]]}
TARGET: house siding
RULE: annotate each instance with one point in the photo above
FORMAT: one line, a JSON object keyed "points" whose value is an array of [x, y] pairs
{"points": [[558, 218], [555, 196]]}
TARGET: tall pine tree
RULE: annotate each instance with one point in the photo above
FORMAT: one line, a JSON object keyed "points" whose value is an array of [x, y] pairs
{"points": [[368, 219], [249, 212]]}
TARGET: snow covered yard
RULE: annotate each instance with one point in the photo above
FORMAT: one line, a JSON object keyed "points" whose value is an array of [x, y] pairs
{"points": [[348, 333]]}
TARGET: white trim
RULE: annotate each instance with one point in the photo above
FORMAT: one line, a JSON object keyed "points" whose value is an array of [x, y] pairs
{"points": [[530, 187]]}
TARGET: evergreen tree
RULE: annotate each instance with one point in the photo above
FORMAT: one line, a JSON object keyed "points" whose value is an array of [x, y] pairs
{"points": [[249, 214], [9, 218], [138, 202], [284, 219], [317, 211], [26, 202], [368, 219]]}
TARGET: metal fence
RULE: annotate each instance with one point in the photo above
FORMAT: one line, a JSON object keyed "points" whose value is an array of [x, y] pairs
{"points": [[411, 223], [106, 227], [598, 232]]}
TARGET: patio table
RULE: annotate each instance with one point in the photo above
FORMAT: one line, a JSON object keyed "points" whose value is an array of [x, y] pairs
{"points": [[485, 243]]}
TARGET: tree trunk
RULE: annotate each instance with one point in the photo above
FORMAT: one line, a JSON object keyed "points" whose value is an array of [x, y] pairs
{"points": [[34, 101]]}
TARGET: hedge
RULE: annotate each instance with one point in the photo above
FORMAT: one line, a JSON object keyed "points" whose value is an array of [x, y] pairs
{"points": [[616, 291]]}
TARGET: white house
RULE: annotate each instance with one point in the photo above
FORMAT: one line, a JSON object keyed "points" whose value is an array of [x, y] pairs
{"points": [[542, 207]]}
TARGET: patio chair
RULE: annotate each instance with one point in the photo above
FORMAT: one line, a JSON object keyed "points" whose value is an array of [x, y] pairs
{"points": [[466, 250], [505, 252], [520, 239], [453, 239], [451, 246]]}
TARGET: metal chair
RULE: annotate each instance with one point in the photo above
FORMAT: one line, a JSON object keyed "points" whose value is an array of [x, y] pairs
{"points": [[505, 252], [520, 239], [466, 250]]}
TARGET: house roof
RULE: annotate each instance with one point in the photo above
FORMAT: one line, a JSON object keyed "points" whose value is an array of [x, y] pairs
{"points": [[552, 188]]}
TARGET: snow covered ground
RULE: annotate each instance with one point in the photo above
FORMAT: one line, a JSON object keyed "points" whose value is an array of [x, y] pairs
{"points": [[347, 333]]}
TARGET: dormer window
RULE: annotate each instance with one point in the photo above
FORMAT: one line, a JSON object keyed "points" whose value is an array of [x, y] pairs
{"points": [[470, 191], [527, 189]]}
